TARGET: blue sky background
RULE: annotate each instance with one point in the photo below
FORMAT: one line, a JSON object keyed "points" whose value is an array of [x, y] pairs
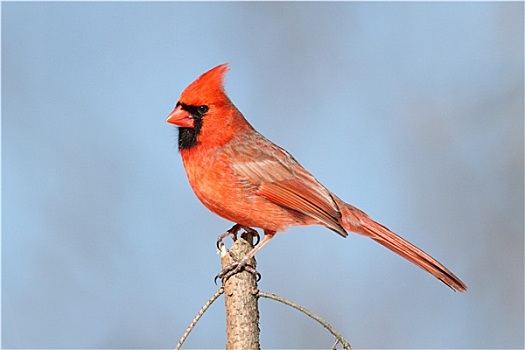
{"points": [[411, 111]]}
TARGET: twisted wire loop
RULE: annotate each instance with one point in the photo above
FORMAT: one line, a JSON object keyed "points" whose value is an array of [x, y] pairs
{"points": [[338, 337], [198, 316]]}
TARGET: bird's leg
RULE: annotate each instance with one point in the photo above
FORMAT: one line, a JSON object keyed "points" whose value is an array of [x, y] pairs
{"points": [[242, 264], [233, 234]]}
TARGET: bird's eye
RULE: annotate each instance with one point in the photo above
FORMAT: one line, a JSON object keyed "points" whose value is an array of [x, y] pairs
{"points": [[203, 109]]}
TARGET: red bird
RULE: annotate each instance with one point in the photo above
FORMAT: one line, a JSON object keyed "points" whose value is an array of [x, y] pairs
{"points": [[243, 177]]}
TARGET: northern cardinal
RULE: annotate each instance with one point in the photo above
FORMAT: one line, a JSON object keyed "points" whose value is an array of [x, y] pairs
{"points": [[243, 177]]}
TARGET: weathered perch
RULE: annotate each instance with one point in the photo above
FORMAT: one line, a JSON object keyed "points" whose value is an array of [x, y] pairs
{"points": [[241, 298]]}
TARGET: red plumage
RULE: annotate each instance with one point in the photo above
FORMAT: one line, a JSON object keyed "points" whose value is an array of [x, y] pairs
{"points": [[241, 176]]}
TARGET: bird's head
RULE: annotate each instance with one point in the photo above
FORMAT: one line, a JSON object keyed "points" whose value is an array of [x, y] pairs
{"points": [[204, 112]]}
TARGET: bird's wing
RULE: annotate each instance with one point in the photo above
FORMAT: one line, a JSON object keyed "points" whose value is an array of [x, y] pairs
{"points": [[282, 180]]}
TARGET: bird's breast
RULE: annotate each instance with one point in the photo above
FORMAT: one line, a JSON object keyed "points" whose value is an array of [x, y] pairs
{"points": [[216, 184]]}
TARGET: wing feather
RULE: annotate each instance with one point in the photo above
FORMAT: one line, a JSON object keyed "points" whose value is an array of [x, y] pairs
{"points": [[282, 180]]}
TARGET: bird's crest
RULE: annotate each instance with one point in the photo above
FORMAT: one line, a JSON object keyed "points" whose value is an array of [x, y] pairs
{"points": [[208, 88]]}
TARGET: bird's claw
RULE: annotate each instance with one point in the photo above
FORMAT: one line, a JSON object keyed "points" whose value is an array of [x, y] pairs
{"points": [[232, 232], [236, 267]]}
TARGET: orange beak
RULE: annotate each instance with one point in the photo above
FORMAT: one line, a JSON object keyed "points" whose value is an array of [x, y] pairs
{"points": [[181, 118]]}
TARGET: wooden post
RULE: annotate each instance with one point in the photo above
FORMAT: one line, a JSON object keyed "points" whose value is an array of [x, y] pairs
{"points": [[241, 298]]}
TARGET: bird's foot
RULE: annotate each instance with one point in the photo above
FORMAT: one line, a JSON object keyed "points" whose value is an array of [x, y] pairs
{"points": [[252, 232], [236, 267], [233, 234]]}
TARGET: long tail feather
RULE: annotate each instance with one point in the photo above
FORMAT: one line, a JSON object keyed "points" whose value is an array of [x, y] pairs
{"points": [[357, 221]]}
